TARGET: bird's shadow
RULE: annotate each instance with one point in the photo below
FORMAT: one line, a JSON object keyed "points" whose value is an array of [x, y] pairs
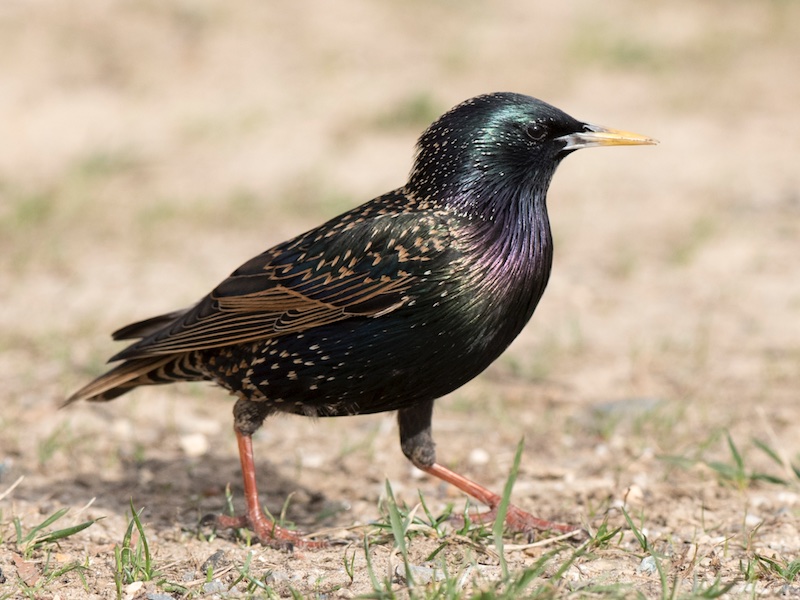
{"points": [[181, 491]]}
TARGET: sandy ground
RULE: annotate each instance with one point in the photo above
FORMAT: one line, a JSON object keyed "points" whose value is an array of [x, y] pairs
{"points": [[148, 148]]}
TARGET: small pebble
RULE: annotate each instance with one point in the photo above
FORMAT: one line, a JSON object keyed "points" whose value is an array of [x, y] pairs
{"points": [[213, 587], [194, 444], [479, 456], [277, 577], [312, 461], [132, 588], [213, 561], [633, 495], [647, 566], [122, 429], [5, 466], [752, 520], [297, 576], [419, 573], [789, 591]]}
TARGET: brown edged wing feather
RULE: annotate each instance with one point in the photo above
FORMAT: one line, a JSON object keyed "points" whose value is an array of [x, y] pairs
{"points": [[142, 329], [341, 270], [120, 379]]}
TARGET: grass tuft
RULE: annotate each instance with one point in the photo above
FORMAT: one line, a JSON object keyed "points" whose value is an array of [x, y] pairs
{"points": [[132, 558], [38, 538]]}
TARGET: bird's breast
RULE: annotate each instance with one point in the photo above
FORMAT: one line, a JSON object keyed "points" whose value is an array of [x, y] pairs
{"points": [[508, 267]]}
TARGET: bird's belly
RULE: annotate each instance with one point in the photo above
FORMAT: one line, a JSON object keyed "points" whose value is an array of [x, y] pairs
{"points": [[362, 365]]}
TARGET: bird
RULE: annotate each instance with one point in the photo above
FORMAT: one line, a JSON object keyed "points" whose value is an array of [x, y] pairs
{"points": [[386, 307]]}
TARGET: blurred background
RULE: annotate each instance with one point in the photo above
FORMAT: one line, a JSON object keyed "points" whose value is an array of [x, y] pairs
{"points": [[147, 148], [150, 147]]}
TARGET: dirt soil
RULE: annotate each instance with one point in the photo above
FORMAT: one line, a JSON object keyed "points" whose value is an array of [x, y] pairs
{"points": [[147, 148]]}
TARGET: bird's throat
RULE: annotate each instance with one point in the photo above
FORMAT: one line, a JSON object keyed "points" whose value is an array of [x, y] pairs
{"points": [[514, 259]]}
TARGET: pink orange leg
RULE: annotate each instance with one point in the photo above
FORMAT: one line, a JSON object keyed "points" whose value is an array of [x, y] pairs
{"points": [[516, 518], [267, 531]]}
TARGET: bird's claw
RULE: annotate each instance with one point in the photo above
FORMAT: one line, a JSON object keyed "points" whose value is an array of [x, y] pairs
{"points": [[266, 531], [520, 521], [524, 522]]}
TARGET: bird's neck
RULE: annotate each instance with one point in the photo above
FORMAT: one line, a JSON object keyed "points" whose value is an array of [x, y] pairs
{"points": [[510, 234]]}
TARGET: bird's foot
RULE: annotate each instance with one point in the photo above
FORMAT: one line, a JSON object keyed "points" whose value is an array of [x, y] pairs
{"points": [[524, 522], [268, 532], [519, 521]]}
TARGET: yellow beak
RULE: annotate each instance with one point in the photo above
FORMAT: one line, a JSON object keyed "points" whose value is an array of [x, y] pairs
{"points": [[594, 135]]}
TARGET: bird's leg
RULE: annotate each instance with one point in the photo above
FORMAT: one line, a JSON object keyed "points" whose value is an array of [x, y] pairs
{"points": [[416, 440], [517, 519], [248, 416]]}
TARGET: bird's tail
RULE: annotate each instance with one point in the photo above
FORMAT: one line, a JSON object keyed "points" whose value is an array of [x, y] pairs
{"points": [[135, 372]]}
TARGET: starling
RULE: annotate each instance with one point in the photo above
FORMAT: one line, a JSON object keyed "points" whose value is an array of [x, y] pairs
{"points": [[386, 307]]}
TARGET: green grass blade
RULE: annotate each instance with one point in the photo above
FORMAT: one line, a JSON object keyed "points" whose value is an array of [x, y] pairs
{"points": [[399, 529], [502, 509], [60, 534], [18, 530], [148, 565], [737, 457], [376, 586], [640, 537], [46, 523], [769, 478], [769, 451]]}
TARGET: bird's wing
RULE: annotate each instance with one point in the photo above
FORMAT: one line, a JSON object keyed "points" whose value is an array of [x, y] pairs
{"points": [[359, 269], [142, 329]]}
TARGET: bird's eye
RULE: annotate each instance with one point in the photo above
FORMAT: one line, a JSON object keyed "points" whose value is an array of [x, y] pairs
{"points": [[536, 131]]}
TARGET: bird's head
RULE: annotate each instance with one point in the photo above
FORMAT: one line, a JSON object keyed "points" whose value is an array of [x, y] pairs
{"points": [[501, 140]]}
